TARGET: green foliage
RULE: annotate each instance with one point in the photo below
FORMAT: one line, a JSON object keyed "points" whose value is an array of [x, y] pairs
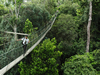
{"points": [[98, 73], [3, 10], [65, 28], [37, 14], [69, 8], [44, 60], [19, 1], [65, 33], [51, 6], [28, 27], [79, 46], [96, 61], [13, 71], [78, 65]]}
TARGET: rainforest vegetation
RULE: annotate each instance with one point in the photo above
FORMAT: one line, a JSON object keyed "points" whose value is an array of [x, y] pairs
{"points": [[64, 50]]}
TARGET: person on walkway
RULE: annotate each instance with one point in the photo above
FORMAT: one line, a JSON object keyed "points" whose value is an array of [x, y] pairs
{"points": [[25, 41]]}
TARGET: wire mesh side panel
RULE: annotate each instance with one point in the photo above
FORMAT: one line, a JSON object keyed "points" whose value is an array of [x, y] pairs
{"points": [[15, 49]]}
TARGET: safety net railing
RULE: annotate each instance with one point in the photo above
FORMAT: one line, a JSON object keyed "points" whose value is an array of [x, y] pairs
{"points": [[15, 49]]}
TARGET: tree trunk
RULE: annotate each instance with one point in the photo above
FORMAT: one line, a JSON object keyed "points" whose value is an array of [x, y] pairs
{"points": [[88, 26], [15, 30], [16, 9]]}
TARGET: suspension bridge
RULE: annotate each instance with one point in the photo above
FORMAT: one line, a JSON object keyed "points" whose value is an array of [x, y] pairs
{"points": [[11, 56]]}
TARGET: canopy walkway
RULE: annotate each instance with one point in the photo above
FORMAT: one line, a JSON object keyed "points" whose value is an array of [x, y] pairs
{"points": [[11, 57]]}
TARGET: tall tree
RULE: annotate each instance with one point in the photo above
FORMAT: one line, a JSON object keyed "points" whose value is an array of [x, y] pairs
{"points": [[14, 8], [89, 25], [17, 8]]}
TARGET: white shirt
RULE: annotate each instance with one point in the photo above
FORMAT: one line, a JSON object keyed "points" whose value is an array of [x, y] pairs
{"points": [[25, 40]]}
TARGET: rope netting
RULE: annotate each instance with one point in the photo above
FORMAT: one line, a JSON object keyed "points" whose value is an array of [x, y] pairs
{"points": [[14, 49]]}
